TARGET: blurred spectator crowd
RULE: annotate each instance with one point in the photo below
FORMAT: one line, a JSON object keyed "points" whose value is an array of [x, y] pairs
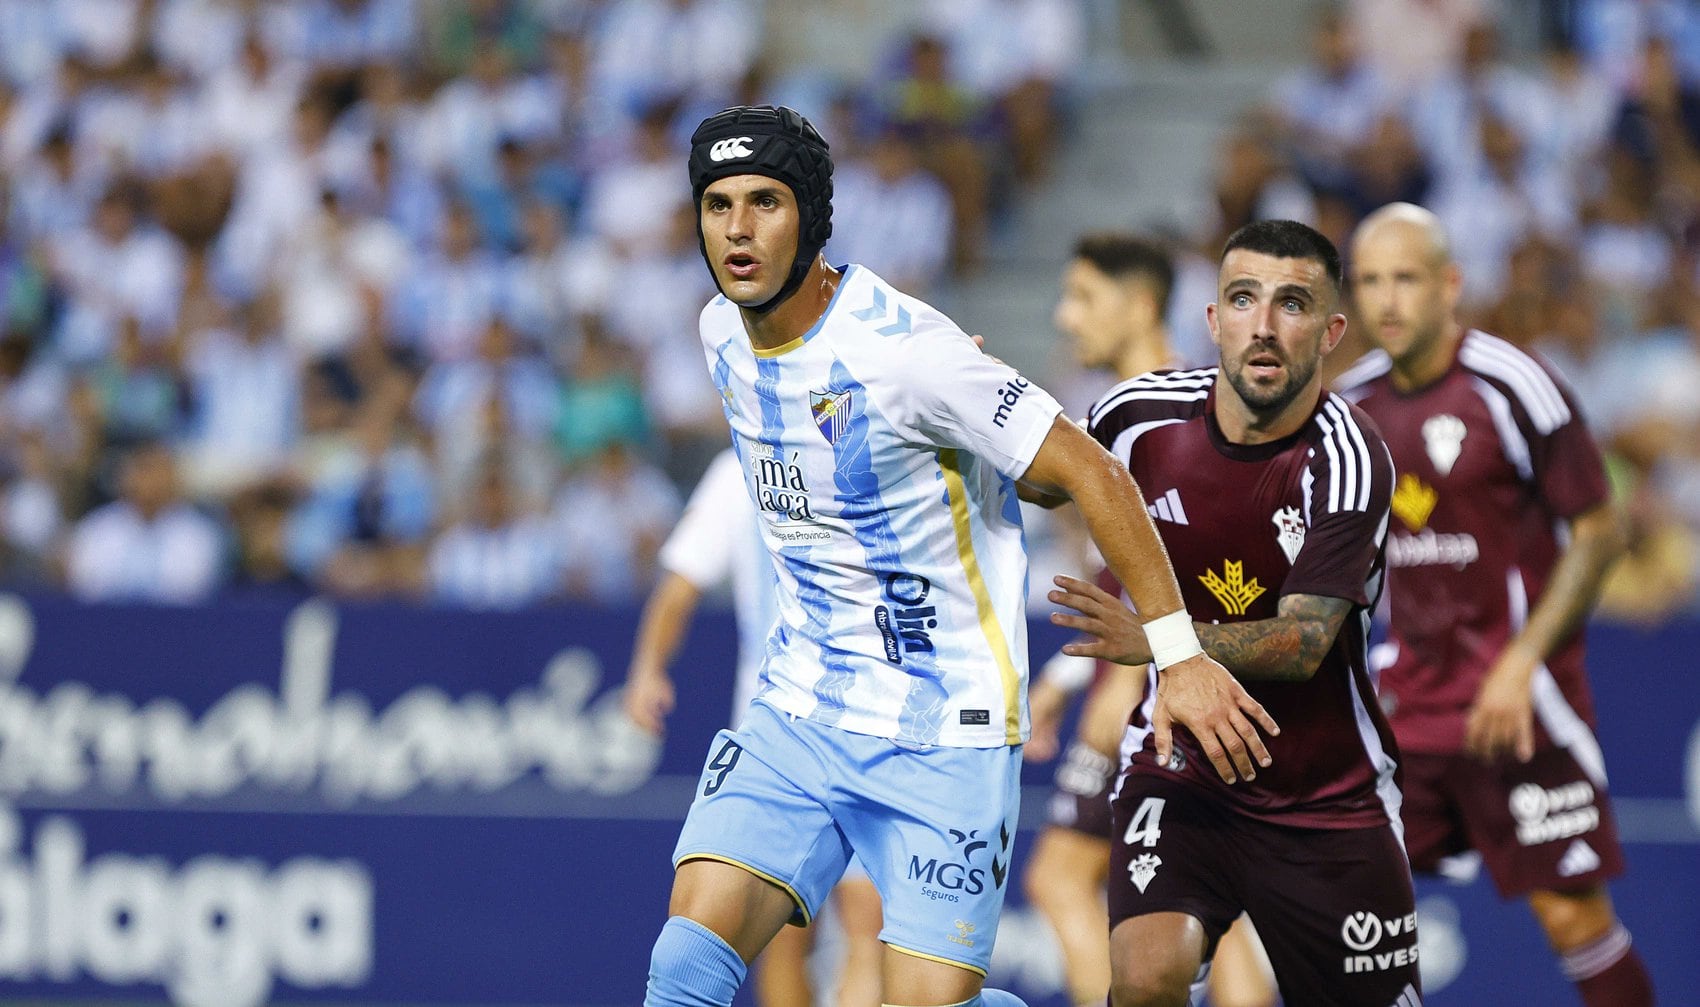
{"points": [[1569, 183], [391, 299]]}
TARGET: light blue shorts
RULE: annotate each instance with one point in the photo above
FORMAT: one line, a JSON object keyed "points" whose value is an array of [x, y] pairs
{"points": [[790, 800]]}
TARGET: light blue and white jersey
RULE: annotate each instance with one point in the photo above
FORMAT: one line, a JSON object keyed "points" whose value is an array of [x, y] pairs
{"points": [[881, 449]]}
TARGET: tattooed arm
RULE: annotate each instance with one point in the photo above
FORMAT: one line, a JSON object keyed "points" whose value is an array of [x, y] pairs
{"points": [[1287, 648]]}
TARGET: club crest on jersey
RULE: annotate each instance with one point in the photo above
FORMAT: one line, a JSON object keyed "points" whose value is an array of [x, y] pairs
{"points": [[831, 411], [1231, 588], [1443, 437], [1289, 532]]}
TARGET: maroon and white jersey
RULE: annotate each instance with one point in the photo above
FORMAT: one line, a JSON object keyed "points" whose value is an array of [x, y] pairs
{"points": [[1245, 525], [1493, 460]]}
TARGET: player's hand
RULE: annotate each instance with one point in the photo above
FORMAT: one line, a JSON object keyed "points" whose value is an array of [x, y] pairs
{"points": [[1501, 721], [1045, 707], [648, 700], [1199, 695], [1116, 631]]}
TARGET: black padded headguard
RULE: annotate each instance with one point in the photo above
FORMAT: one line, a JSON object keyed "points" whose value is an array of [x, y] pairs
{"points": [[778, 143]]}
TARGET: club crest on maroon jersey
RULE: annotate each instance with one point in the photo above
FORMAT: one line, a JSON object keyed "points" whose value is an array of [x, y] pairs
{"points": [[1289, 532], [1443, 438]]}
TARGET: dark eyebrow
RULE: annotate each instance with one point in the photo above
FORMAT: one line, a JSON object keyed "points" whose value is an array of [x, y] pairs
{"points": [[1298, 290], [766, 190]]}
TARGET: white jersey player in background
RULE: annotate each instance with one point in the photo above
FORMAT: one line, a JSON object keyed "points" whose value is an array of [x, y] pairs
{"points": [[882, 450]]}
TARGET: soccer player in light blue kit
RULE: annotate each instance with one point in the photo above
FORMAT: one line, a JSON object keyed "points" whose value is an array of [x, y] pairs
{"points": [[883, 451]]}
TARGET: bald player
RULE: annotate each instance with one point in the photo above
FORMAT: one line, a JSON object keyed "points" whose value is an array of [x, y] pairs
{"points": [[1502, 531]]}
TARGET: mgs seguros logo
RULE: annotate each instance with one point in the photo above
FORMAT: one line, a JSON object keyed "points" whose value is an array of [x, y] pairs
{"points": [[947, 879]]}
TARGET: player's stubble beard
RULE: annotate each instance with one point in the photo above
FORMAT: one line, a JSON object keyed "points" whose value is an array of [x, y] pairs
{"points": [[1265, 401]]}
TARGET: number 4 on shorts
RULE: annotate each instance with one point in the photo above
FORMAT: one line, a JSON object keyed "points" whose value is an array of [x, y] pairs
{"points": [[1144, 828]]}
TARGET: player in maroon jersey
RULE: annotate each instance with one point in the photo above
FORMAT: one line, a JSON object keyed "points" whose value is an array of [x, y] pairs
{"points": [[1503, 530], [1285, 492], [1115, 295]]}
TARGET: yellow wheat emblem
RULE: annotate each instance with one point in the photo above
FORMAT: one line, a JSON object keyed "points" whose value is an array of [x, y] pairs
{"points": [[1413, 502], [1234, 592]]}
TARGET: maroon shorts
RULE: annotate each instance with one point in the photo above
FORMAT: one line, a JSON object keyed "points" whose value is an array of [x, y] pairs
{"points": [[1081, 800], [1544, 825], [1334, 907]]}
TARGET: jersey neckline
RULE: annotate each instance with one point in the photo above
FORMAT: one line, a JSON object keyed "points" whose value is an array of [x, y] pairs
{"points": [[848, 271], [1254, 452]]}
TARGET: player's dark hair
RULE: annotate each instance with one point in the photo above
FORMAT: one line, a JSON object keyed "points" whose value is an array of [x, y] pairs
{"points": [[1287, 239], [1124, 256]]}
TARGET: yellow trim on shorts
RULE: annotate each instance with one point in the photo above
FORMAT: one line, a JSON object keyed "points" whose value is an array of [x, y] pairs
{"points": [[770, 879], [989, 625], [935, 958]]}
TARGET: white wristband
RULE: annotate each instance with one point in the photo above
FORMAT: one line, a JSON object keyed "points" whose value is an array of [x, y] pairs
{"points": [[1172, 639]]}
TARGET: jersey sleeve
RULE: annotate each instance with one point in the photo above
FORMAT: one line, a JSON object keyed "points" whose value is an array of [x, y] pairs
{"points": [[1540, 427], [700, 549], [955, 396], [1350, 486], [1568, 470], [1144, 401]]}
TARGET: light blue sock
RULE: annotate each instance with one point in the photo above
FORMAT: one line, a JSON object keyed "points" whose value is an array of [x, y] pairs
{"points": [[692, 967]]}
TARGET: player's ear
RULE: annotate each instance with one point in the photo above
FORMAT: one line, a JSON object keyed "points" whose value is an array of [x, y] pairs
{"points": [[1142, 303], [1335, 332], [1215, 325], [1452, 282]]}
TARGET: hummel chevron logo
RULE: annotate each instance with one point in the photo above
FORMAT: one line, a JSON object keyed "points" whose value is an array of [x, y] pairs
{"points": [[1168, 508], [879, 311], [1001, 871]]}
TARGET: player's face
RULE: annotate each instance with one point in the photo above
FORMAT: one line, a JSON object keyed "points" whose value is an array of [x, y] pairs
{"points": [[1093, 312], [1404, 290], [750, 225], [1274, 323]]}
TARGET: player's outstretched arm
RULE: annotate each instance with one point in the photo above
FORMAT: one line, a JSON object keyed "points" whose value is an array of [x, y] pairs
{"points": [[1287, 648], [649, 690], [1501, 721], [1193, 690]]}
